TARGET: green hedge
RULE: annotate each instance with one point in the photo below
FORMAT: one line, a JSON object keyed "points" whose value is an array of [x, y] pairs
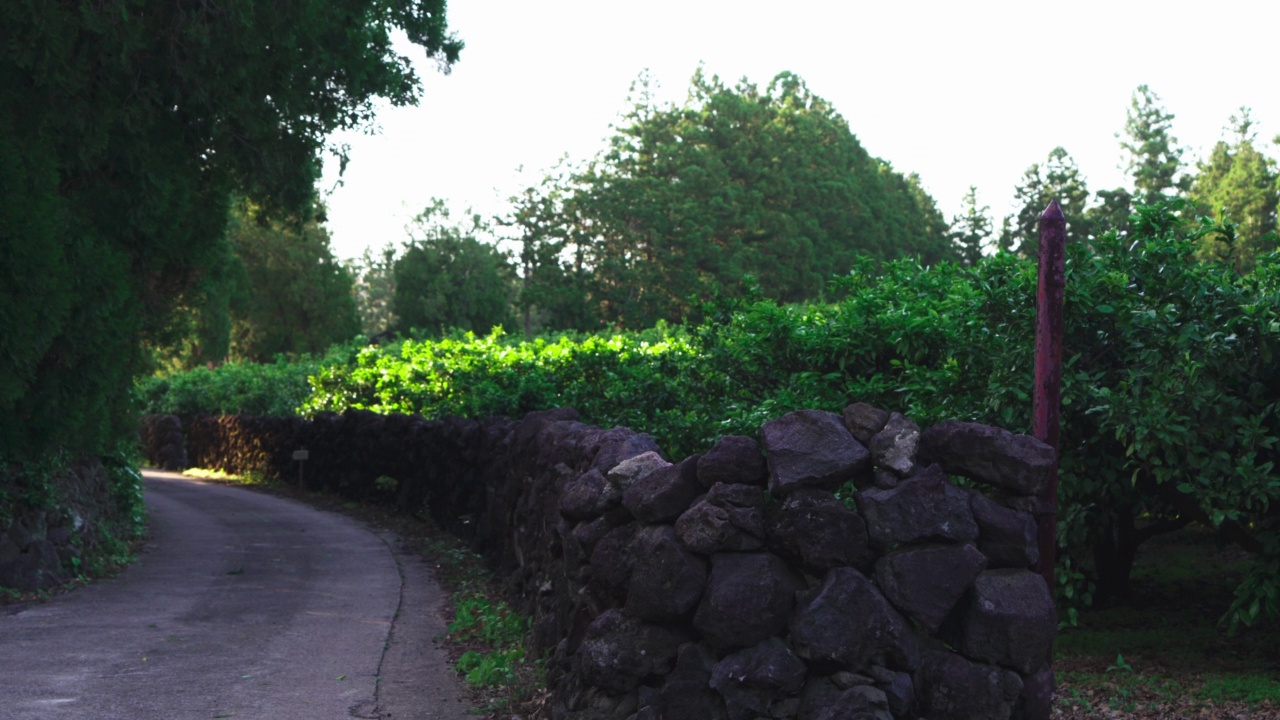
{"points": [[239, 388]]}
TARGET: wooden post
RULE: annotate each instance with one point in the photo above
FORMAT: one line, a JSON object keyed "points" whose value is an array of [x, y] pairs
{"points": [[1046, 403]]}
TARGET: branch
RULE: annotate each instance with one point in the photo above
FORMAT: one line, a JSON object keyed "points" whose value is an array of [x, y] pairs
{"points": [[1229, 530], [1144, 534]]}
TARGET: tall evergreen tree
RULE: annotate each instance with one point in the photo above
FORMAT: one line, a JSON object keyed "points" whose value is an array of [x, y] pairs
{"points": [[915, 218], [1111, 212], [971, 230], [689, 200], [449, 279], [554, 289], [1153, 159], [298, 297], [1238, 183], [375, 285], [1059, 179]]}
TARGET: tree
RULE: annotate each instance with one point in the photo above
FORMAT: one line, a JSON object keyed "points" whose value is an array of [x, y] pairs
{"points": [[1059, 179], [1237, 183], [375, 287], [1154, 158], [915, 218], [129, 125], [971, 230], [277, 291], [448, 279], [689, 200], [199, 328], [1112, 211], [298, 298], [554, 282]]}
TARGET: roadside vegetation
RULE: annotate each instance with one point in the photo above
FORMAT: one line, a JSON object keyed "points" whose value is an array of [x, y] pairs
{"points": [[95, 512]]}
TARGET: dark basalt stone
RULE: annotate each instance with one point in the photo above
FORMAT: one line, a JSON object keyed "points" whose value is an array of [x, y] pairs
{"points": [[1018, 463], [815, 530], [950, 687], [753, 679], [809, 448], [733, 459], [666, 581], [748, 598], [924, 507], [619, 652], [864, 421], [846, 623]]}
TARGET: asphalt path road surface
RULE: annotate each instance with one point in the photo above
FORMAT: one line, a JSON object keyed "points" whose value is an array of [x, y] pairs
{"points": [[242, 605]]}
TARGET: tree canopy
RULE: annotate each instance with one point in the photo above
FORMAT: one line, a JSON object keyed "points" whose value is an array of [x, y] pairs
{"points": [[127, 127], [375, 286], [971, 229], [448, 279], [1238, 183], [1057, 178], [1153, 159], [738, 181], [298, 298]]}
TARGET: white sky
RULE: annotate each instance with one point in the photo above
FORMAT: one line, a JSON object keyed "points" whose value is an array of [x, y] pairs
{"points": [[959, 92]]}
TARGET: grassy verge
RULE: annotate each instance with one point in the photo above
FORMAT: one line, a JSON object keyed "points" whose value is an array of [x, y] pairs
{"points": [[486, 637], [1164, 654]]}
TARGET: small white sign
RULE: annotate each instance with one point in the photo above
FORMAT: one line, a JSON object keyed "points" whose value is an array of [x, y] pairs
{"points": [[300, 455]]}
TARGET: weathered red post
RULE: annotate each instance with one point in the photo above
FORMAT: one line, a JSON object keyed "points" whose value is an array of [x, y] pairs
{"points": [[1046, 403]]}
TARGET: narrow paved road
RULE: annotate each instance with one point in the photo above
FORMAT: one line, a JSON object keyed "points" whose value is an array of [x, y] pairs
{"points": [[242, 606]]}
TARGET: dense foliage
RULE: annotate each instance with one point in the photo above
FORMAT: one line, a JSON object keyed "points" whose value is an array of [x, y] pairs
{"points": [[277, 290], [234, 388], [374, 279], [688, 199], [297, 298], [1238, 183], [449, 279], [127, 127]]}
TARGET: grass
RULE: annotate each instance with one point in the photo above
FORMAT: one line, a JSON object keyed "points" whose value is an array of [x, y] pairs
{"points": [[1165, 654], [498, 634]]}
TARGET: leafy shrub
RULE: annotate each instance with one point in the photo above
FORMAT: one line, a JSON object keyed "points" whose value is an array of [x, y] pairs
{"points": [[642, 380], [237, 388]]}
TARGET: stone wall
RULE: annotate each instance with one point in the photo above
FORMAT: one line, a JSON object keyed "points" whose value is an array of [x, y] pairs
{"points": [[840, 573], [42, 540]]}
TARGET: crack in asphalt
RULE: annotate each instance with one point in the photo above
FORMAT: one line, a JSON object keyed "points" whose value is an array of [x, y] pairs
{"points": [[376, 712]]}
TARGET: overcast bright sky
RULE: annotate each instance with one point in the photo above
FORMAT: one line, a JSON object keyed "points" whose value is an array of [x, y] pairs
{"points": [[959, 92]]}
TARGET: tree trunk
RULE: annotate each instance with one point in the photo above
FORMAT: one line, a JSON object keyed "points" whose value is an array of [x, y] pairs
{"points": [[1113, 557]]}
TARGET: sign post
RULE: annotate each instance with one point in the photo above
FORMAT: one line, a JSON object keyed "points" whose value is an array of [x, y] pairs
{"points": [[301, 456]]}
